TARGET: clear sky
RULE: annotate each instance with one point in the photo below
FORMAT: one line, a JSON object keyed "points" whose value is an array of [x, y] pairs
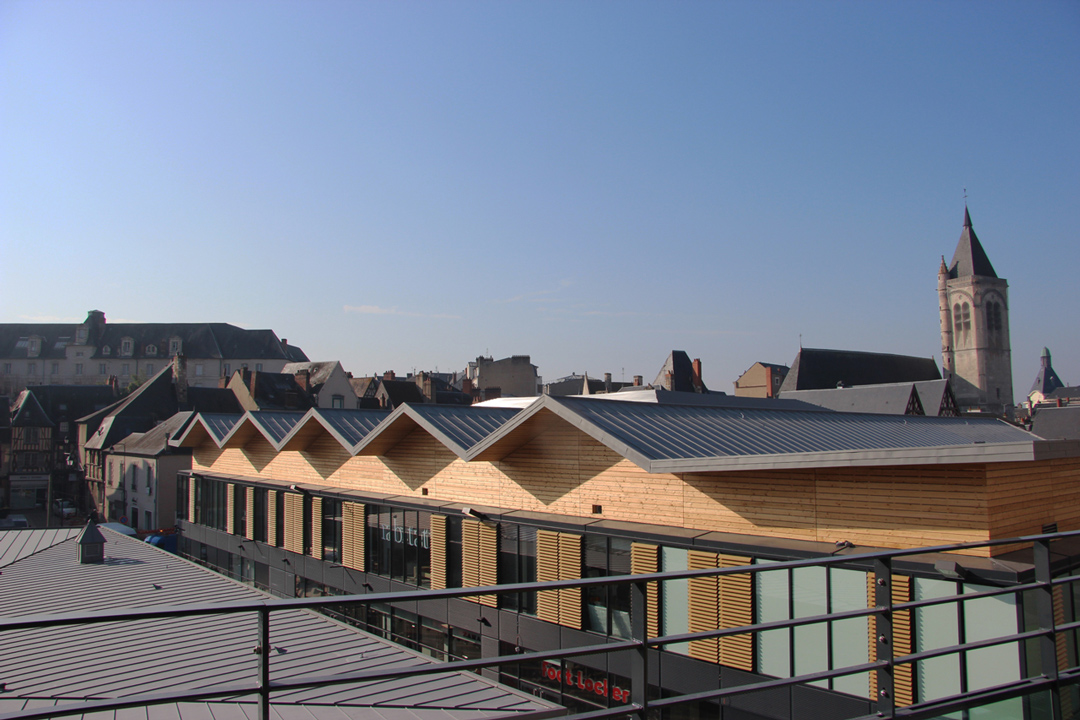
{"points": [[408, 185]]}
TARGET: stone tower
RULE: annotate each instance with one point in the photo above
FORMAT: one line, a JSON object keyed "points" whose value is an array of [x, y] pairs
{"points": [[973, 305]]}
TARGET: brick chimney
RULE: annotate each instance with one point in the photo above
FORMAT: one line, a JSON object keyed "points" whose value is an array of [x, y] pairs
{"points": [[696, 375], [388, 375], [638, 381], [303, 379]]}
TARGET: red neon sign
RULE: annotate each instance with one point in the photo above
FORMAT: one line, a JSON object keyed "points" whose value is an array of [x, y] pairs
{"points": [[601, 687]]}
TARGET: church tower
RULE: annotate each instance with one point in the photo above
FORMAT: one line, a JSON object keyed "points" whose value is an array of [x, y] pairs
{"points": [[973, 305]]}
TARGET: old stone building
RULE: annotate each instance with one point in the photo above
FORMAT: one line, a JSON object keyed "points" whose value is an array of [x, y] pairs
{"points": [[973, 304]]}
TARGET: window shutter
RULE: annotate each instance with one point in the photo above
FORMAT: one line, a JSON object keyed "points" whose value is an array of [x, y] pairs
{"points": [[488, 569], [570, 610], [704, 605], [316, 548], [272, 530], [737, 610], [230, 508], [645, 559], [438, 552], [294, 522], [903, 681], [353, 537], [547, 569], [191, 497], [249, 525]]}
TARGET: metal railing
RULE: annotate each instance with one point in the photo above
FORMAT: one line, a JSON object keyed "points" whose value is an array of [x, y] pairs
{"points": [[1047, 677]]}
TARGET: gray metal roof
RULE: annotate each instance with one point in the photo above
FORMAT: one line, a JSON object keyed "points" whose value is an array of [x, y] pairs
{"points": [[668, 438], [887, 399], [132, 657], [17, 544], [350, 426]]}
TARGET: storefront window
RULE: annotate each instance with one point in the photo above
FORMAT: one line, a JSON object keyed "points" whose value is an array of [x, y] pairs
{"points": [[607, 608], [399, 544], [331, 530], [517, 564]]}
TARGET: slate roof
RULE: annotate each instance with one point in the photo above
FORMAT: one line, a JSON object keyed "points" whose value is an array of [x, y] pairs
{"points": [[400, 392], [320, 372], [681, 371], [198, 340], [970, 258], [64, 664], [1047, 381], [817, 369], [1065, 393], [155, 441], [27, 412], [1057, 422], [890, 399]]}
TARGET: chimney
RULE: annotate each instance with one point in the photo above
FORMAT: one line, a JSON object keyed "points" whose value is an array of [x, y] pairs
{"points": [[303, 379], [466, 386], [698, 385], [388, 375], [251, 380], [179, 373], [638, 381], [607, 382]]}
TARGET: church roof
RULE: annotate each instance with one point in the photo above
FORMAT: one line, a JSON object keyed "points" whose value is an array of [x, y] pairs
{"points": [[817, 369], [1047, 381], [970, 258]]}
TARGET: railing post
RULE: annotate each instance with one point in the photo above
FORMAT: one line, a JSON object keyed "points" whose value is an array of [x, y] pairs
{"points": [[639, 663], [883, 632], [263, 651], [1044, 606]]}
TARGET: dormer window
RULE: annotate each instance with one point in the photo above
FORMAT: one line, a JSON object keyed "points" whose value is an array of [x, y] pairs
{"points": [[106, 350], [151, 350], [127, 346], [174, 345], [33, 347]]}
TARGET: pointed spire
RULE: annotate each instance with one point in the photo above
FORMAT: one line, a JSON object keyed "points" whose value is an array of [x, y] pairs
{"points": [[970, 258]]}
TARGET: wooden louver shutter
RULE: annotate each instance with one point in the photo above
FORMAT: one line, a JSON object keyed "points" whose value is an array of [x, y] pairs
{"points": [[438, 552], [272, 530], [547, 569], [903, 680], [316, 548], [191, 498], [570, 604], [488, 569], [353, 535], [645, 559], [230, 508], [294, 523], [737, 610], [704, 610], [249, 524]]}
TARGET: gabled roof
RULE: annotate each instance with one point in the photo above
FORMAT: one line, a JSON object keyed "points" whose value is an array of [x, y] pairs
{"points": [[459, 428], [319, 372], [677, 374], [399, 392], [273, 426], [28, 412], [348, 427], [938, 398], [970, 258], [817, 369], [213, 426], [153, 442], [662, 438], [58, 665], [889, 399]]}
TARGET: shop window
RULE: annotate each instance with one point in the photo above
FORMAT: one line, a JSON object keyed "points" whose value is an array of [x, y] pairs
{"points": [[399, 544], [258, 520]]}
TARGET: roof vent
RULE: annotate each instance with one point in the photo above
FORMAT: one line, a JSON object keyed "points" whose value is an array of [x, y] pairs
{"points": [[90, 545]]}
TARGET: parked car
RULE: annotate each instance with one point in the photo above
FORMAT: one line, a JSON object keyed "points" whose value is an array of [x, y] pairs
{"points": [[63, 509], [12, 522]]}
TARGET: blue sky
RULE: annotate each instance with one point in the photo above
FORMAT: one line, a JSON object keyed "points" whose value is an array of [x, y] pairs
{"points": [[410, 185]]}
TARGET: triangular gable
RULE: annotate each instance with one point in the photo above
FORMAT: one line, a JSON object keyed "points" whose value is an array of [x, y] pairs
{"points": [[203, 427], [349, 428], [459, 428]]}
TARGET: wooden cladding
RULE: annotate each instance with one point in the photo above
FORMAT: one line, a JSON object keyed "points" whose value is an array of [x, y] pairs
{"points": [[645, 559], [192, 483], [721, 602], [558, 557], [480, 558], [294, 522], [353, 535], [249, 527], [230, 508], [438, 552], [273, 532], [903, 642], [316, 548]]}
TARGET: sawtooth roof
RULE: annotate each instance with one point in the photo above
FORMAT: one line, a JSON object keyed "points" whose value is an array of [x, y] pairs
{"points": [[658, 438], [73, 663]]}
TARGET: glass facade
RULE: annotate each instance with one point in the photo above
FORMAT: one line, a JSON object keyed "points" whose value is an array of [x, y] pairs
{"points": [[607, 608], [399, 544]]}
